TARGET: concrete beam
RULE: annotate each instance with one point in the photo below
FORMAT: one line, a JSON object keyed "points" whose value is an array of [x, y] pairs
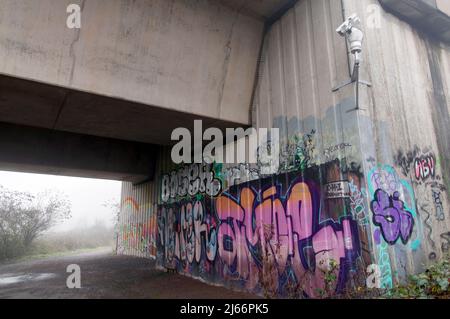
{"points": [[36, 150], [264, 9], [196, 57], [431, 16], [41, 105]]}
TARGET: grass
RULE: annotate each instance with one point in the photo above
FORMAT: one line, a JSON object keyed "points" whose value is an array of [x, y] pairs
{"points": [[66, 253]]}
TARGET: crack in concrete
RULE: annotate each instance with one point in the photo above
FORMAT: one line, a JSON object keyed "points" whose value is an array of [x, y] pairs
{"points": [[72, 46], [226, 63]]}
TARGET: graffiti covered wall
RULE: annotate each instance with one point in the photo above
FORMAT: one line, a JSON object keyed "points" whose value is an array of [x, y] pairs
{"points": [[136, 229], [285, 230], [354, 190]]}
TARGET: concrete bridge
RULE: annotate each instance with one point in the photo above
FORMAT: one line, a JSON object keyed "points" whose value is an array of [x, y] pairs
{"points": [[134, 71], [103, 99]]}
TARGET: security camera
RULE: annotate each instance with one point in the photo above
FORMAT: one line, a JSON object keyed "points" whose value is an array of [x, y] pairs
{"points": [[351, 30], [347, 26]]}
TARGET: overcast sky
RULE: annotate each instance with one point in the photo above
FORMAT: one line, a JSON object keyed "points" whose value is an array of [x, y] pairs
{"points": [[87, 195]]}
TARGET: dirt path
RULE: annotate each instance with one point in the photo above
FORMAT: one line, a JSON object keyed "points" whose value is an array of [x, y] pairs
{"points": [[102, 276]]}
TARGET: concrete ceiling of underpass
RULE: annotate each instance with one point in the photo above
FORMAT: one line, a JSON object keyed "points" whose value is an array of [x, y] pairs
{"points": [[40, 105], [262, 8]]}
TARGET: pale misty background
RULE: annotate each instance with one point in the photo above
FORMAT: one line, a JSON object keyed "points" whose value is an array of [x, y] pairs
{"points": [[87, 196]]}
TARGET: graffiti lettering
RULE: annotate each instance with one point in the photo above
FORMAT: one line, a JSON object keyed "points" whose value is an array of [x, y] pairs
{"points": [[405, 160], [285, 230], [250, 232], [243, 173], [390, 214], [440, 216], [333, 149], [184, 230], [337, 190], [424, 167], [298, 153], [385, 178], [357, 206], [190, 181], [424, 163], [436, 185]]}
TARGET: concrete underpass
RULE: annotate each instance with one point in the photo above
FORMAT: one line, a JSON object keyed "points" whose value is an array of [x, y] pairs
{"points": [[101, 101]]}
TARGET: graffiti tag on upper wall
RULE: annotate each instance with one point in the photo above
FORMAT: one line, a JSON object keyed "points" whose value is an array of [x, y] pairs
{"points": [[421, 166], [424, 167], [190, 180]]}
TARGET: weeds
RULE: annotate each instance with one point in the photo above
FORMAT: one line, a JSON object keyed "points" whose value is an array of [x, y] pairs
{"points": [[434, 282]]}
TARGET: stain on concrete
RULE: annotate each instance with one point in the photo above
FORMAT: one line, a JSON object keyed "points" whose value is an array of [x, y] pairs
{"points": [[440, 113]]}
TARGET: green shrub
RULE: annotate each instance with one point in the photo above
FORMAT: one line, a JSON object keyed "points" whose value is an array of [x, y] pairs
{"points": [[433, 283]]}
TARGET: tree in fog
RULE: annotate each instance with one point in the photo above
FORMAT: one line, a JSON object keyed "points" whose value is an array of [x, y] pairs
{"points": [[23, 217], [114, 206]]}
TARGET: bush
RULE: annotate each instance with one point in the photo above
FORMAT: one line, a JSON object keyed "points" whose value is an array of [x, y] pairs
{"points": [[23, 217], [433, 283]]}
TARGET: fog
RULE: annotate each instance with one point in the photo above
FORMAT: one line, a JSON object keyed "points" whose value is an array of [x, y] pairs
{"points": [[87, 196]]}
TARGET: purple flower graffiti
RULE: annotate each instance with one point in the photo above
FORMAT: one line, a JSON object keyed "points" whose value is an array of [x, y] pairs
{"points": [[389, 213]]}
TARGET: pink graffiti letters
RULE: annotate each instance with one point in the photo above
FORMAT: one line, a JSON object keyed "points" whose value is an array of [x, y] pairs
{"points": [[273, 233], [424, 167], [389, 213], [284, 229]]}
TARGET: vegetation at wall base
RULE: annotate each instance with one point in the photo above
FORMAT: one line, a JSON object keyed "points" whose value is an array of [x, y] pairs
{"points": [[434, 282]]}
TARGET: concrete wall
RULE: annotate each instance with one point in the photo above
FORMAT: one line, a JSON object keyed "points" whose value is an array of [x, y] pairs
{"points": [[197, 57], [430, 16], [204, 232], [444, 6], [367, 187], [408, 137]]}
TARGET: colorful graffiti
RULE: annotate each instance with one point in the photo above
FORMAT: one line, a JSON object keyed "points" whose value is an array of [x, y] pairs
{"points": [[284, 229], [421, 167], [298, 153], [279, 221], [139, 232], [422, 162], [357, 206], [424, 167], [394, 216], [389, 213]]}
